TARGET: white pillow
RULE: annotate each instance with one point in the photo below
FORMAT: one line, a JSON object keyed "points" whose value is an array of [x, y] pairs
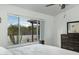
{"points": [[4, 51]]}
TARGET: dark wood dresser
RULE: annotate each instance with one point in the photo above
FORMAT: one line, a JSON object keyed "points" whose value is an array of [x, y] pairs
{"points": [[70, 41]]}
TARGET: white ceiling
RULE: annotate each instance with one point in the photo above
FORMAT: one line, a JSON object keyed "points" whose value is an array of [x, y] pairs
{"points": [[52, 10]]}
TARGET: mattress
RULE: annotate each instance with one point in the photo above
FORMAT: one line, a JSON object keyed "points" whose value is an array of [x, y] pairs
{"points": [[39, 49]]}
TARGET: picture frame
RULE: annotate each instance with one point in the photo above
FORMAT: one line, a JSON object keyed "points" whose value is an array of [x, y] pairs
{"points": [[0, 19], [73, 27]]}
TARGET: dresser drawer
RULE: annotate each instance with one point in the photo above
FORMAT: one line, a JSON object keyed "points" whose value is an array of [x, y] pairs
{"points": [[70, 41], [68, 47]]}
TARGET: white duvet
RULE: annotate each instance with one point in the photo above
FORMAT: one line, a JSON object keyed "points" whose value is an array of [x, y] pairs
{"points": [[4, 51], [39, 49]]}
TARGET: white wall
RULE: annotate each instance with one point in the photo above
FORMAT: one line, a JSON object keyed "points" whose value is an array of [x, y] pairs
{"points": [[49, 32], [61, 22], [8, 9]]}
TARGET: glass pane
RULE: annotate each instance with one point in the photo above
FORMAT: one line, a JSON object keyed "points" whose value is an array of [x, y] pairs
{"points": [[73, 28], [13, 37], [35, 38], [22, 30], [28, 30], [25, 30], [38, 30]]}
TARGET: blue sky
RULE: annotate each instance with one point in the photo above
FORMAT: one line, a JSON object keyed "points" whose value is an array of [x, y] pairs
{"points": [[14, 20]]}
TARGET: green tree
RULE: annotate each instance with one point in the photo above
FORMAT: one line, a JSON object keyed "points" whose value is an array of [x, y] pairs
{"points": [[12, 31]]}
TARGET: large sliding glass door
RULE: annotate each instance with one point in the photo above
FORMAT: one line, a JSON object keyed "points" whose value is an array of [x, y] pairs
{"points": [[13, 30], [22, 30]]}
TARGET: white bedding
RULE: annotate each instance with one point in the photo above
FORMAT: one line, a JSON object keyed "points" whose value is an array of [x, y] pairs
{"points": [[39, 49], [4, 51]]}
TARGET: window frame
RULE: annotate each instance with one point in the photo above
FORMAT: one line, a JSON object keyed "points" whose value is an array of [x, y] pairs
{"points": [[19, 26]]}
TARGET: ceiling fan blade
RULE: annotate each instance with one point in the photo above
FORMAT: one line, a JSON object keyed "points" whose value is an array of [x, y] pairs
{"points": [[49, 5], [63, 6]]}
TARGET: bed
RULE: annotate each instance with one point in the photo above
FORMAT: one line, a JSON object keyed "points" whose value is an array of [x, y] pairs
{"points": [[39, 49], [4, 51]]}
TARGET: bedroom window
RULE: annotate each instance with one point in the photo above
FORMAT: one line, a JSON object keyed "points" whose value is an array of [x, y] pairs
{"points": [[22, 30]]}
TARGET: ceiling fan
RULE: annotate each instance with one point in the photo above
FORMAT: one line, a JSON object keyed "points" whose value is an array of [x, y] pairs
{"points": [[61, 5]]}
